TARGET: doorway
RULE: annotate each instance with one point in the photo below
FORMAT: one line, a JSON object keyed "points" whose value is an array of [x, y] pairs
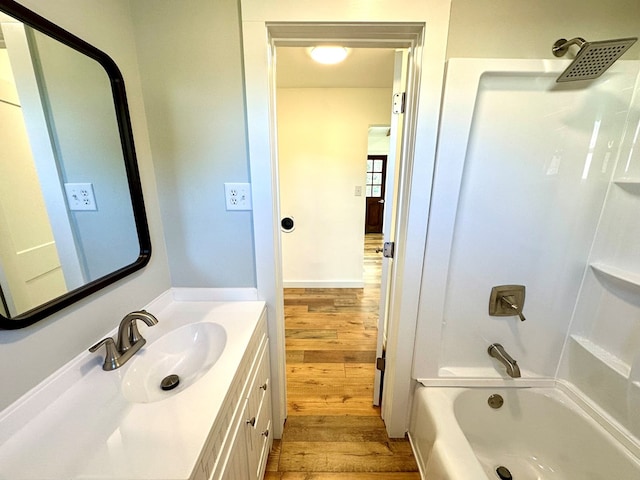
{"points": [[424, 31], [332, 262], [327, 180]]}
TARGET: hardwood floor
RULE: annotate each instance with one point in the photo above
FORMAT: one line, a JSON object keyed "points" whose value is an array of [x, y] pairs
{"points": [[333, 432]]}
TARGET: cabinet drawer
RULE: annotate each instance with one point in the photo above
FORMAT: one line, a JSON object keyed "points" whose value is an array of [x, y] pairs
{"points": [[265, 448], [262, 438], [260, 384]]}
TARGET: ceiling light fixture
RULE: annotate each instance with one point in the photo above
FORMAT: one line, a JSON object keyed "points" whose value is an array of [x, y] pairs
{"points": [[328, 54]]}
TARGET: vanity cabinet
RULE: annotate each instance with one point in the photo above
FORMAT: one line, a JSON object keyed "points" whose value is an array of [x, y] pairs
{"points": [[240, 440], [83, 422]]}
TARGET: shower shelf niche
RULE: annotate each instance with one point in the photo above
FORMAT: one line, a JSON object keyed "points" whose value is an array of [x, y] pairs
{"points": [[631, 184], [602, 355], [617, 276]]}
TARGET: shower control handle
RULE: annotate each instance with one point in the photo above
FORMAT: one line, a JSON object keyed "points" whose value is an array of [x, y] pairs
{"points": [[508, 300]]}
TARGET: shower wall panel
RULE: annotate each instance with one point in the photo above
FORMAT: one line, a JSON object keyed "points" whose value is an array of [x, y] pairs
{"points": [[602, 355], [522, 171]]}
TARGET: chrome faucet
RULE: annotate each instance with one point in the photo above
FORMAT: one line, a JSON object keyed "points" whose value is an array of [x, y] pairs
{"points": [[129, 340], [497, 351]]}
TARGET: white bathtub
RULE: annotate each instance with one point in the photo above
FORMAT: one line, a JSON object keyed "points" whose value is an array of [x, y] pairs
{"points": [[538, 434]]}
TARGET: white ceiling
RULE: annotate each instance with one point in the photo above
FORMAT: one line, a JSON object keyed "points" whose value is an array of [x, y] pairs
{"points": [[363, 67]]}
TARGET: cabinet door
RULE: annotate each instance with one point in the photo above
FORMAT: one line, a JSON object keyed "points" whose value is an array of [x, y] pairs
{"points": [[262, 436], [237, 465]]}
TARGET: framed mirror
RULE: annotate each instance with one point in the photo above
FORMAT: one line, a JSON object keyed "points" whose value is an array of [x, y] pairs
{"points": [[72, 217]]}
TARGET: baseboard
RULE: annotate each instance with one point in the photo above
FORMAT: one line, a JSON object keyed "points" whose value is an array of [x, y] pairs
{"points": [[214, 294]]}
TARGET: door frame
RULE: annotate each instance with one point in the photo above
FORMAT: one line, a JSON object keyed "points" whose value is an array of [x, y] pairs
{"points": [[423, 28], [390, 221]]}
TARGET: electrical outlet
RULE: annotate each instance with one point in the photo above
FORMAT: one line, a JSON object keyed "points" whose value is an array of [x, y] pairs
{"points": [[237, 196], [80, 196]]}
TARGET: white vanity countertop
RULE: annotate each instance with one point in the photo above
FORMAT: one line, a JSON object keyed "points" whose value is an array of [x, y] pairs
{"points": [[78, 425]]}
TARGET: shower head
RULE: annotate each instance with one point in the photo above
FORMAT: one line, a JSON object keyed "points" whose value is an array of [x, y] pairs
{"points": [[592, 59]]}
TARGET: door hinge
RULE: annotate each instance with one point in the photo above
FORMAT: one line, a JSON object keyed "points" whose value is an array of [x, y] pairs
{"points": [[380, 363], [388, 249], [398, 102]]}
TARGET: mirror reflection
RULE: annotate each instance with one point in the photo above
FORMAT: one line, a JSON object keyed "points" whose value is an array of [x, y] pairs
{"points": [[66, 214]]}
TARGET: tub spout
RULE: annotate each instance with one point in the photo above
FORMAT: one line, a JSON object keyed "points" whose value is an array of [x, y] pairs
{"points": [[497, 351]]}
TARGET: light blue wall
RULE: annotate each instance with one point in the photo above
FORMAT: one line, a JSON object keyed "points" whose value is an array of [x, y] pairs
{"points": [[191, 67], [74, 87]]}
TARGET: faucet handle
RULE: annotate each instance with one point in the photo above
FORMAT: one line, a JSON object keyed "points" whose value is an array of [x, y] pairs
{"points": [[111, 358], [507, 300], [510, 301]]}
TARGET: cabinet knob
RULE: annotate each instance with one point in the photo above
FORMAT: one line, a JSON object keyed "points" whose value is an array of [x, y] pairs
{"points": [[266, 433], [263, 386], [252, 422]]}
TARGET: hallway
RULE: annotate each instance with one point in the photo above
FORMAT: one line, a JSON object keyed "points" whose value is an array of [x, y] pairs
{"points": [[333, 430]]}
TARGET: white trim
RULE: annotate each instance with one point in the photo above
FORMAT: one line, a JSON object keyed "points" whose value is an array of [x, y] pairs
{"points": [[391, 217], [214, 294], [201, 295], [423, 26], [259, 90], [459, 382], [323, 284]]}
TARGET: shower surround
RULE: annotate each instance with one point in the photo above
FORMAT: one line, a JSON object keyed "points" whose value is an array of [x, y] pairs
{"points": [[537, 183]]}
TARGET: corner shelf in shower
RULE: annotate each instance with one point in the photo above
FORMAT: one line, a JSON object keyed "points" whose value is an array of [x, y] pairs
{"points": [[618, 276], [603, 356], [631, 184]]}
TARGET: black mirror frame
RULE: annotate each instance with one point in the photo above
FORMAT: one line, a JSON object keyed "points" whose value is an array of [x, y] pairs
{"points": [[43, 25]]}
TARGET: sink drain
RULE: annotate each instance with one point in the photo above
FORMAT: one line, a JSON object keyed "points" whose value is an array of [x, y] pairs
{"points": [[495, 401], [503, 473], [172, 381]]}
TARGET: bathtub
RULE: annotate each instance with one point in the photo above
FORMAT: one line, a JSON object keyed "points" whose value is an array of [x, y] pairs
{"points": [[537, 434]]}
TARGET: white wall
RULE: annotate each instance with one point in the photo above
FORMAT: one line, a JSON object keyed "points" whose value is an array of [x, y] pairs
{"points": [[508, 29], [322, 148], [28, 355], [191, 69], [379, 141]]}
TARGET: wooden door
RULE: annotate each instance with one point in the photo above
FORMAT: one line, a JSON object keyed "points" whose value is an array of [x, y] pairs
{"points": [[374, 192]]}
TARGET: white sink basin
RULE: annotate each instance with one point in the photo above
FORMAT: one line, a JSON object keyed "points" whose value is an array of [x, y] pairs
{"points": [[189, 352]]}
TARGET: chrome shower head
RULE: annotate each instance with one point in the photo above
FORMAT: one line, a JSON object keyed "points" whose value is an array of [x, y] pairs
{"points": [[592, 59]]}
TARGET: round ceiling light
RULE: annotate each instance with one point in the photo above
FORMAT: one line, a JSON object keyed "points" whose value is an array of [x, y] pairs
{"points": [[328, 55]]}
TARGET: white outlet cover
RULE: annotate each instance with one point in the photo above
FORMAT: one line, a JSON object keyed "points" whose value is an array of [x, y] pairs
{"points": [[80, 196], [237, 196]]}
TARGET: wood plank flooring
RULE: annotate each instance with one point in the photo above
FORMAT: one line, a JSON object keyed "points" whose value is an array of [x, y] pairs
{"points": [[333, 432]]}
